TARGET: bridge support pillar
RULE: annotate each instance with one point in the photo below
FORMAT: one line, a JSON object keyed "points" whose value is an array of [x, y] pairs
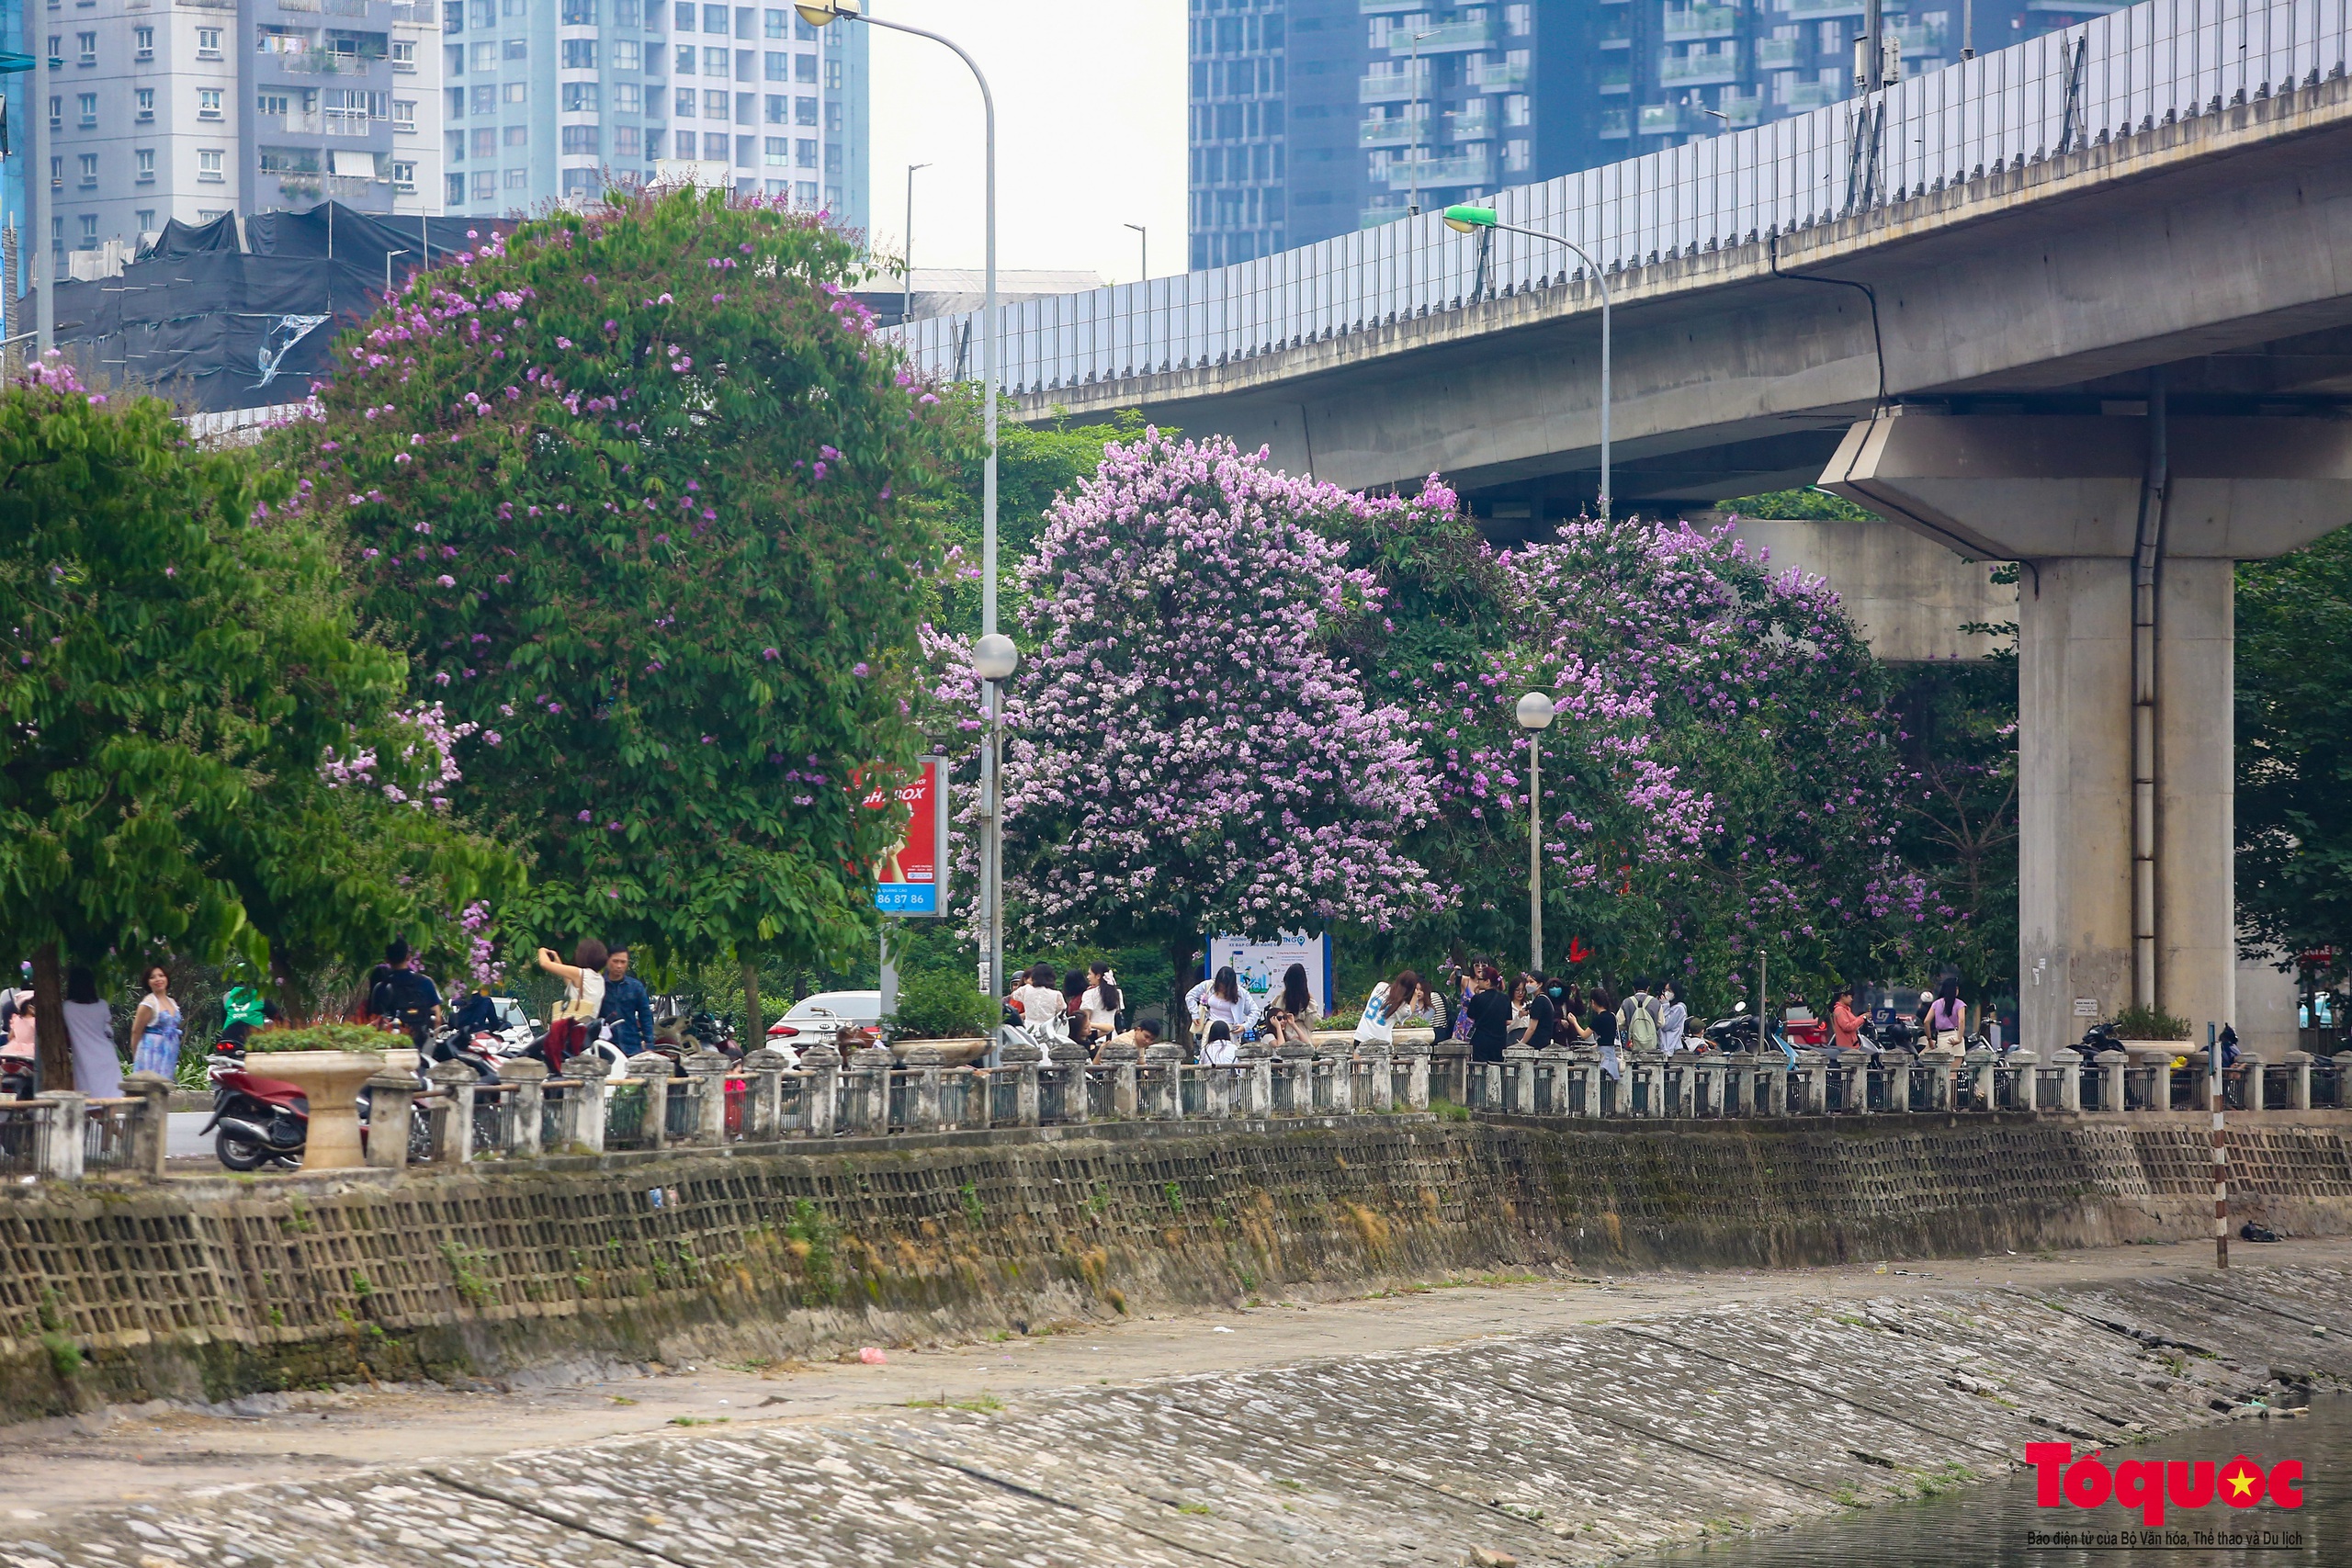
{"points": [[2072, 497]]}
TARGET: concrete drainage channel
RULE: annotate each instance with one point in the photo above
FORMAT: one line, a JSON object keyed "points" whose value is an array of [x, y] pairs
{"points": [[1578, 1446]]}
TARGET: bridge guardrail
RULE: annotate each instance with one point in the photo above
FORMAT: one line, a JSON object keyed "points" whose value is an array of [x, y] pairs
{"points": [[2134, 69]]}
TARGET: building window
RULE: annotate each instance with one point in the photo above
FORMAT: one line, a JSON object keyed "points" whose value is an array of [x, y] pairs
{"points": [[716, 106], [514, 92], [453, 16], [485, 55], [625, 98], [516, 49], [779, 152], [580, 139], [1516, 156], [57, 59], [719, 19], [580, 54], [803, 68], [485, 141], [143, 101], [86, 165], [832, 157], [625, 142], [208, 43], [718, 62], [833, 116], [624, 54], [485, 185], [143, 160], [404, 178], [805, 193], [454, 59], [518, 179], [685, 103], [453, 189], [85, 47], [1518, 20], [776, 27], [87, 104], [267, 102], [779, 66], [56, 113], [804, 111], [686, 16], [485, 98], [208, 103], [834, 75], [776, 108], [404, 116], [143, 44], [580, 97], [403, 54], [714, 146], [212, 164], [686, 59], [89, 231], [146, 219], [579, 12], [514, 135], [625, 15]]}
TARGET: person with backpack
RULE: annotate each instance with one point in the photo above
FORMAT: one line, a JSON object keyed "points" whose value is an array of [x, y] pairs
{"points": [[1640, 1019]]}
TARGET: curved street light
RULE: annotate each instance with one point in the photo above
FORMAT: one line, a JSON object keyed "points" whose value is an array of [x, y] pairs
{"points": [[1468, 219], [817, 14]]}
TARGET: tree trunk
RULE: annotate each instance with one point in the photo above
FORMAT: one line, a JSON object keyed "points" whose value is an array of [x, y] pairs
{"points": [[755, 1023], [54, 1050], [1179, 1016]]}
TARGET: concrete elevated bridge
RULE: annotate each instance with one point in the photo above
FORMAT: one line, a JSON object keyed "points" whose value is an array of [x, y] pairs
{"points": [[2084, 303]]}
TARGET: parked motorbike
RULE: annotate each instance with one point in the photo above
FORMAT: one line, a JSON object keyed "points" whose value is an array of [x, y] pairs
{"points": [[1736, 1034], [256, 1121], [682, 1023]]}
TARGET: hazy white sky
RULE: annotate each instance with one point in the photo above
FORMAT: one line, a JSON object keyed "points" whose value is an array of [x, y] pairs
{"points": [[1090, 104]]}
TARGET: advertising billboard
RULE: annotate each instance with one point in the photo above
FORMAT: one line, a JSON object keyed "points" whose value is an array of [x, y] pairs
{"points": [[911, 880], [1260, 965]]}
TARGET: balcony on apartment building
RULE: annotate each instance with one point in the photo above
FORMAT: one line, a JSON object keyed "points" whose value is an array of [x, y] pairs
{"points": [[1817, 10], [1685, 23], [1778, 53], [1489, 74], [1704, 64], [1447, 37], [1470, 166], [1397, 85], [1396, 130]]}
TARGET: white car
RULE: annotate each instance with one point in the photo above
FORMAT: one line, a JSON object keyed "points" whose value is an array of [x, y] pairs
{"points": [[818, 1020]]}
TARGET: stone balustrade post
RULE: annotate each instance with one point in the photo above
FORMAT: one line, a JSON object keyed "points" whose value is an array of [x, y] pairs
{"points": [[2299, 1081], [1979, 1066], [653, 1073], [453, 1112], [2029, 1067], [1069, 1059], [2250, 1063], [1120, 1062], [2069, 1086], [1898, 1065], [2111, 1064], [1518, 1080], [925, 1065], [1776, 1074], [1163, 1089], [706, 1073], [822, 1092], [870, 1089], [1706, 1086], [586, 1102], [1416, 1075], [391, 1100], [1450, 1062], [1380, 1074], [1342, 1064], [1813, 1070], [151, 1138], [529, 1076], [763, 1071], [1856, 1067], [1255, 1060], [58, 1144], [1294, 1072], [1021, 1058], [1561, 1061]]}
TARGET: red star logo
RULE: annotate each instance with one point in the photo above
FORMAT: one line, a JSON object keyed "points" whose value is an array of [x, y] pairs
{"points": [[2241, 1481]]}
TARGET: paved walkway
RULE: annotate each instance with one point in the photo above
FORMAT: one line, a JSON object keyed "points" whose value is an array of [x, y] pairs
{"points": [[1554, 1420]]}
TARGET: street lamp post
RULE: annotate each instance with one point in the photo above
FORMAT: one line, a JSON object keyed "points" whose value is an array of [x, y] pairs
{"points": [[1534, 714], [1468, 219], [1142, 238], [993, 660], [1419, 120], [817, 14], [907, 305]]}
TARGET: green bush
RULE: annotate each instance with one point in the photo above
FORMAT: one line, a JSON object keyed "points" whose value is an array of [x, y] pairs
{"points": [[2137, 1022], [325, 1037], [939, 1005]]}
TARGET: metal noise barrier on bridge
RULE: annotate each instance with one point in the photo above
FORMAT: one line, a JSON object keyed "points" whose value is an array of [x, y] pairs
{"points": [[2131, 71]]}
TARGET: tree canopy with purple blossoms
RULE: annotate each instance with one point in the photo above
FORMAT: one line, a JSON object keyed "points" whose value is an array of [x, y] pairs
{"points": [[1186, 754], [631, 488]]}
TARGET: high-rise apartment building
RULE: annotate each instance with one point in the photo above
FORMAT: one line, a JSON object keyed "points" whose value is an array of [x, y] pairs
{"points": [[190, 110], [1310, 118], [547, 100]]}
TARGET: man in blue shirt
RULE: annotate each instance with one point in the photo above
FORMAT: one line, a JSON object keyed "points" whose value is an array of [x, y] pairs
{"points": [[628, 1008]]}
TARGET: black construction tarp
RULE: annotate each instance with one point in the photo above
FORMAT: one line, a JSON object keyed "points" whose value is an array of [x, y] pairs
{"points": [[215, 325]]}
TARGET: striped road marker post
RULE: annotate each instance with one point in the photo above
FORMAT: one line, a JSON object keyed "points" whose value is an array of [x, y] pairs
{"points": [[2221, 1150]]}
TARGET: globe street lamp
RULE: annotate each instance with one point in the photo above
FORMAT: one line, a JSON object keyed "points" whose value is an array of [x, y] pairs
{"points": [[1468, 219], [993, 660], [1534, 717], [817, 14]]}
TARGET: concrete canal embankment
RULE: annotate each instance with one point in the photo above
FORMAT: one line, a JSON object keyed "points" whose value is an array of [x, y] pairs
{"points": [[214, 1286]]}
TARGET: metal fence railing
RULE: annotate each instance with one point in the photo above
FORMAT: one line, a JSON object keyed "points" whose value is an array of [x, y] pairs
{"points": [[2133, 70]]}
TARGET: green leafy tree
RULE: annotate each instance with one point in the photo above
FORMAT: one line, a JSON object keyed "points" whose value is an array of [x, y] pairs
{"points": [[2294, 751], [179, 665], [635, 491]]}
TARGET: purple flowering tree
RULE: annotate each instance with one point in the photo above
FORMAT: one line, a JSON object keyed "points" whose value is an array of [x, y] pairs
{"points": [[1186, 753], [632, 490]]}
